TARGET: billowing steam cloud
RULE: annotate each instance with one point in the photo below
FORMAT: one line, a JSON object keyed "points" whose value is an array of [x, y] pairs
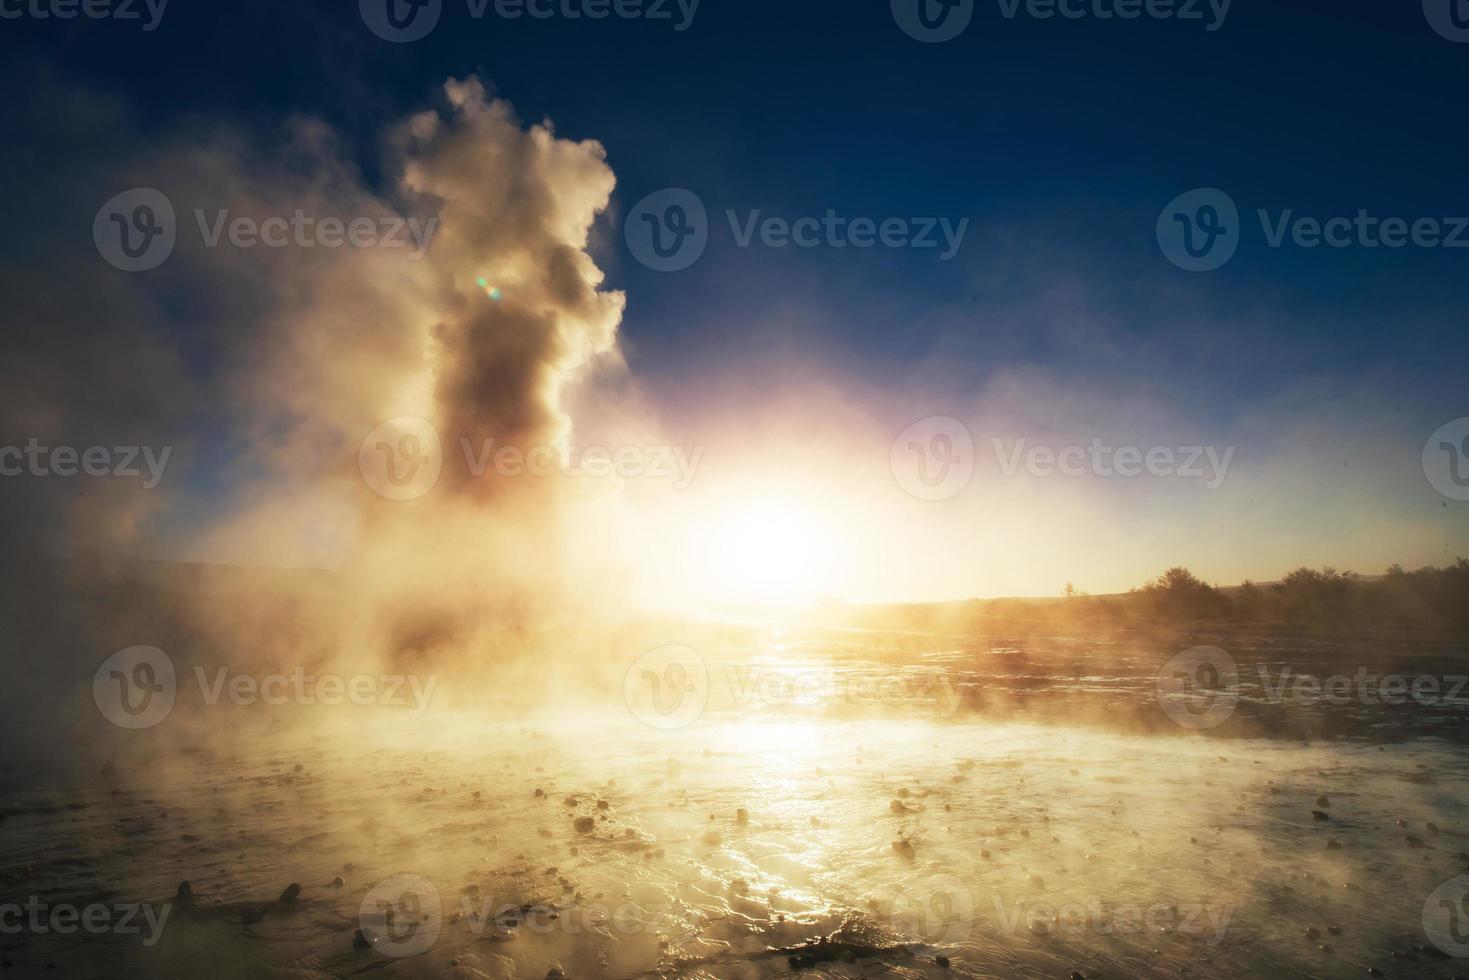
{"points": [[264, 368]]}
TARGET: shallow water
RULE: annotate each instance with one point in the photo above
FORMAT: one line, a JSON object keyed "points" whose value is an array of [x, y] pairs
{"points": [[887, 822]]}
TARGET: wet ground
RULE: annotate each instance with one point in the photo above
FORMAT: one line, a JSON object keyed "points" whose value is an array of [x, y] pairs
{"points": [[829, 806]]}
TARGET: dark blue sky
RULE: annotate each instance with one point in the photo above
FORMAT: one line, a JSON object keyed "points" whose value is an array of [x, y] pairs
{"points": [[1060, 141]]}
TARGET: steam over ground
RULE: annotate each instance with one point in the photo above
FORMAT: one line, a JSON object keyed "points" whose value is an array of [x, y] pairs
{"points": [[287, 359]]}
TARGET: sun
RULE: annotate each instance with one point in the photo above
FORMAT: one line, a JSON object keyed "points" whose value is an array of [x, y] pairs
{"points": [[771, 549]]}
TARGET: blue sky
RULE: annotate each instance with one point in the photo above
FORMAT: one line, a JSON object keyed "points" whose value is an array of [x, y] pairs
{"points": [[1059, 141]]}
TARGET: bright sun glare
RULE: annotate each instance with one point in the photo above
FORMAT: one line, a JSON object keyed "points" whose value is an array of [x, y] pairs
{"points": [[773, 549]]}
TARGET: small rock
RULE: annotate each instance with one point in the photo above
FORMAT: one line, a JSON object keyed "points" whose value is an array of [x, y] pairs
{"points": [[904, 849], [1319, 815], [585, 825], [942, 962], [742, 816], [292, 892], [361, 939]]}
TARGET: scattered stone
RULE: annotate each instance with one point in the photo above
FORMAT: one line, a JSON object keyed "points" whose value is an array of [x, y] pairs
{"points": [[898, 806], [1319, 815], [338, 883], [1414, 841], [540, 794], [904, 849], [942, 962], [292, 892], [742, 816], [361, 939], [585, 825]]}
